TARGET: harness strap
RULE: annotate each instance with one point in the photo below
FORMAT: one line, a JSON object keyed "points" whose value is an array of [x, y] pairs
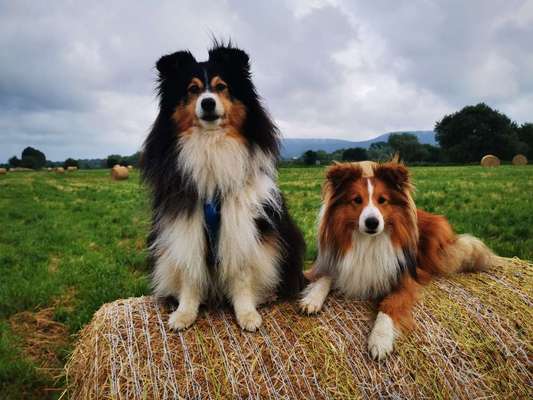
{"points": [[212, 223]]}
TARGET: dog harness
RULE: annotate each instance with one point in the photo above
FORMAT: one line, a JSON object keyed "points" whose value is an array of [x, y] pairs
{"points": [[212, 223]]}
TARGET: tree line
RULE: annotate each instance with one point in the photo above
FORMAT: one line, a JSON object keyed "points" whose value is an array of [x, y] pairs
{"points": [[35, 159], [464, 137]]}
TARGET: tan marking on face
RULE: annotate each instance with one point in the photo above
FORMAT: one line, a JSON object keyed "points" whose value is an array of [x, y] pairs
{"points": [[195, 82], [185, 115]]}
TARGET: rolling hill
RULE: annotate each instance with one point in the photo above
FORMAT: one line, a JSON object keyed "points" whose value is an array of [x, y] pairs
{"points": [[295, 147]]}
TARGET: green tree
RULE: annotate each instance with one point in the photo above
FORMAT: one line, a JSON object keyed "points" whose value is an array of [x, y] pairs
{"points": [[310, 157], [355, 154], [408, 146], [14, 162], [474, 131], [380, 151], [70, 162], [525, 134], [32, 158], [113, 160]]}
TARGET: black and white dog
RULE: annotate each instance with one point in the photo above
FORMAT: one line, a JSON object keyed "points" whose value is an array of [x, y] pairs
{"points": [[220, 227]]}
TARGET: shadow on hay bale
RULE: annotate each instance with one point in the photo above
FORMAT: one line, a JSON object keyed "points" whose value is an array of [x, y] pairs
{"points": [[519, 159], [473, 339]]}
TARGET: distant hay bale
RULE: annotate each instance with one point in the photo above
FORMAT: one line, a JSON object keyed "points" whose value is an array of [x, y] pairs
{"points": [[119, 173], [49, 169], [3, 171], [473, 340], [130, 166], [60, 170], [490, 161], [72, 168], [520, 159]]}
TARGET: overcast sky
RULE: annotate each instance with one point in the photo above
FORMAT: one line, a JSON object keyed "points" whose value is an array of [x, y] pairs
{"points": [[77, 78]]}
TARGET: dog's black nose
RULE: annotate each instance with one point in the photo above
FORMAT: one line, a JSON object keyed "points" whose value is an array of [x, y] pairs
{"points": [[371, 223], [208, 104]]}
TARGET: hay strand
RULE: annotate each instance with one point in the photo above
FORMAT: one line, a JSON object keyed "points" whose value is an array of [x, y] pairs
{"points": [[490, 161], [473, 340], [119, 173], [519, 159]]}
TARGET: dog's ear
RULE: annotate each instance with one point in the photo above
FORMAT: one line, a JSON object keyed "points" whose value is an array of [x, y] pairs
{"points": [[172, 63], [338, 174], [233, 58], [394, 174], [396, 158]]}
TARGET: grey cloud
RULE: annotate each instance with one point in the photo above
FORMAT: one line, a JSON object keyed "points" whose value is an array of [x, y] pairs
{"points": [[77, 79]]}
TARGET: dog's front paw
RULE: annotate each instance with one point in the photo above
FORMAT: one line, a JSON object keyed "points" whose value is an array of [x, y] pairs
{"points": [[249, 320], [381, 339], [181, 319], [311, 304]]}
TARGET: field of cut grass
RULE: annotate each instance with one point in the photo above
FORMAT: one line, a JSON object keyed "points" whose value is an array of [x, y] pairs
{"points": [[70, 243]]}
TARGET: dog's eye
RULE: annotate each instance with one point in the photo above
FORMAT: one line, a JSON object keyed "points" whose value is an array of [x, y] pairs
{"points": [[220, 87], [358, 200], [382, 200], [194, 89]]}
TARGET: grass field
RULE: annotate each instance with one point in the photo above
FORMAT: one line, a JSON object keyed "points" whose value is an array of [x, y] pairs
{"points": [[69, 243]]}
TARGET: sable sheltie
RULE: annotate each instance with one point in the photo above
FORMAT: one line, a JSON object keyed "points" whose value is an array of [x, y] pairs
{"points": [[220, 227], [374, 244]]}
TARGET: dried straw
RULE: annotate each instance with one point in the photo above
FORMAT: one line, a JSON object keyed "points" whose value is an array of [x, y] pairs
{"points": [[490, 161], [119, 173], [3, 171], [520, 159], [60, 170], [473, 339]]}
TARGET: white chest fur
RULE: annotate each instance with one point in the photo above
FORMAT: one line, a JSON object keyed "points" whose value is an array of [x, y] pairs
{"points": [[369, 268], [216, 161]]}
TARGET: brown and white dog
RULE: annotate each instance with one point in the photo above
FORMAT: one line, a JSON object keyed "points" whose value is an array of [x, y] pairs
{"points": [[374, 244]]}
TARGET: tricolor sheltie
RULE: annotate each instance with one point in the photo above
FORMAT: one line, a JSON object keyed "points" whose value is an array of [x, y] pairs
{"points": [[220, 227], [374, 244]]}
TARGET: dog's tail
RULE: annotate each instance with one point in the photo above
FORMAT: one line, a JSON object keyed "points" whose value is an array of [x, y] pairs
{"points": [[469, 254]]}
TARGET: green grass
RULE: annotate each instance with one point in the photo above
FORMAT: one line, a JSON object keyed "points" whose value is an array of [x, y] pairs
{"points": [[83, 235]]}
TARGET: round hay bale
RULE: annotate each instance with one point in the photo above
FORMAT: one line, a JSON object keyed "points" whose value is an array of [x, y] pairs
{"points": [[520, 159], [49, 169], [130, 166], [3, 171], [119, 173], [472, 340], [72, 168], [60, 170], [490, 161]]}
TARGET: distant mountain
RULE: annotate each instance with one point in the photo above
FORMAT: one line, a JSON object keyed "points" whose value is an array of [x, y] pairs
{"points": [[291, 148]]}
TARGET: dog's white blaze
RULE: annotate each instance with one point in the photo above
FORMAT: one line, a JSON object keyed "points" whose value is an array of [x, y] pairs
{"points": [[370, 267], [219, 110], [371, 210], [381, 339]]}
